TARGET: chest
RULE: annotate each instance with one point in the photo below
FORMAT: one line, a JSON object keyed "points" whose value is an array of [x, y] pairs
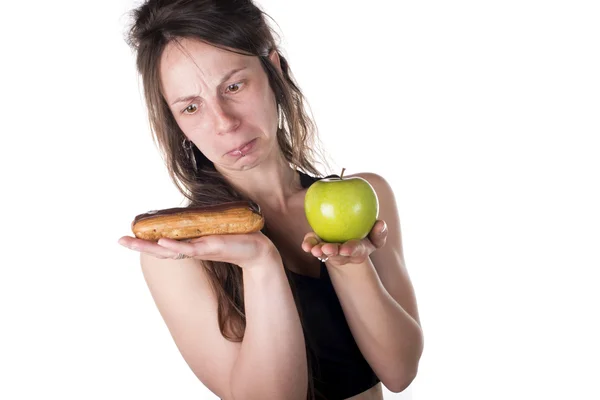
{"points": [[287, 232]]}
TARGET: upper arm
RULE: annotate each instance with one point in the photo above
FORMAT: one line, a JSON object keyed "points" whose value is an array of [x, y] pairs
{"points": [[185, 300], [389, 260]]}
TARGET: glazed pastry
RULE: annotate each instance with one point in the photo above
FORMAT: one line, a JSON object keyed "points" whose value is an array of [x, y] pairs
{"points": [[192, 222]]}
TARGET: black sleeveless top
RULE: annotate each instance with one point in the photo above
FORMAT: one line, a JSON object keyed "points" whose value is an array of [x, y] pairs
{"points": [[338, 368]]}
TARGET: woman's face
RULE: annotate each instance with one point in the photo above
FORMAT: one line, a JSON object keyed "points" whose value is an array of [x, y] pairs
{"points": [[221, 101]]}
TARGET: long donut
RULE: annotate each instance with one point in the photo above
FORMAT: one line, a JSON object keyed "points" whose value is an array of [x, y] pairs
{"points": [[192, 222]]}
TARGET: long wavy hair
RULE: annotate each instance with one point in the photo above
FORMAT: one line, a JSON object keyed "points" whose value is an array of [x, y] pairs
{"points": [[234, 25]]}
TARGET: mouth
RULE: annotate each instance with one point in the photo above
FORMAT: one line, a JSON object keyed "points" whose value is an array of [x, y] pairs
{"points": [[241, 150]]}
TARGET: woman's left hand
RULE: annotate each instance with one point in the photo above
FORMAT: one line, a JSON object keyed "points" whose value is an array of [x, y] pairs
{"points": [[352, 251]]}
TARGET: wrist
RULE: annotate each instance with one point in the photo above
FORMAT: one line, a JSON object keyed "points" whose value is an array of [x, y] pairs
{"points": [[350, 270], [266, 259]]}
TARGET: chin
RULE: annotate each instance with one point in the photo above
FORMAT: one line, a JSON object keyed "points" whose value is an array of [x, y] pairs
{"points": [[261, 152]]}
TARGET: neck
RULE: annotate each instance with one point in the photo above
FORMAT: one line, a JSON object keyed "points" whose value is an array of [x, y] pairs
{"points": [[271, 184]]}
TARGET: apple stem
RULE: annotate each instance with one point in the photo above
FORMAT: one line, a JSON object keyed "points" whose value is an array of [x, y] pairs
{"points": [[342, 174]]}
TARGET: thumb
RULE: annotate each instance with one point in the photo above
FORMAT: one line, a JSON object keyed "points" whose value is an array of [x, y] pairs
{"points": [[379, 234]]}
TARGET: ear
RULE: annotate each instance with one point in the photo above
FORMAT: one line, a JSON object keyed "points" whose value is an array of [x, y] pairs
{"points": [[274, 57]]}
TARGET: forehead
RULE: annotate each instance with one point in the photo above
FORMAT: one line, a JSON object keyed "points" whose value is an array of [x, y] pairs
{"points": [[191, 65]]}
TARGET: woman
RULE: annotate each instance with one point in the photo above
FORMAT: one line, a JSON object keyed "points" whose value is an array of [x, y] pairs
{"points": [[276, 314]]}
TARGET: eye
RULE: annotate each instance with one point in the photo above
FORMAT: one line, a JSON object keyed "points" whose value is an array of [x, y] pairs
{"points": [[235, 87], [191, 109]]}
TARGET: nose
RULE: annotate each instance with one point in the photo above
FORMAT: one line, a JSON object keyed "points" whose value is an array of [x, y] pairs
{"points": [[224, 117]]}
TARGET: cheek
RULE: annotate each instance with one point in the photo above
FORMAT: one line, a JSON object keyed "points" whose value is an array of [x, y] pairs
{"points": [[267, 112], [210, 148], [193, 131], [191, 127], [264, 107], [187, 123]]}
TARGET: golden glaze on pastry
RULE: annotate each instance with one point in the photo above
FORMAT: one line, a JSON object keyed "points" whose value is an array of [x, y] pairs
{"points": [[191, 222]]}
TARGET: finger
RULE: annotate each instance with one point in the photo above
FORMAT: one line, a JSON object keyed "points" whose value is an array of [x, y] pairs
{"points": [[181, 247], [330, 249], [378, 234], [317, 250], [146, 246], [350, 248], [312, 235], [310, 240]]}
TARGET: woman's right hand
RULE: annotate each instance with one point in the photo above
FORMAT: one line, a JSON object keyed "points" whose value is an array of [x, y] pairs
{"points": [[244, 250]]}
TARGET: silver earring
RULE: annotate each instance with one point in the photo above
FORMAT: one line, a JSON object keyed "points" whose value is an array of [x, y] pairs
{"points": [[279, 117], [188, 149]]}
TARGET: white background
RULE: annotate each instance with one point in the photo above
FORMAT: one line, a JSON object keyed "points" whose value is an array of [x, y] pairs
{"points": [[484, 117]]}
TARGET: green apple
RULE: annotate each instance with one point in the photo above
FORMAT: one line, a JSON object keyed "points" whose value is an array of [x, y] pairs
{"points": [[341, 209]]}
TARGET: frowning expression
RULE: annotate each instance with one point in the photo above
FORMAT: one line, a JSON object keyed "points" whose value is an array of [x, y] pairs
{"points": [[221, 100]]}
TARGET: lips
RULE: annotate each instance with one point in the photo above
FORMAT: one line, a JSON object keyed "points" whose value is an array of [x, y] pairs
{"points": [[242, 148]]}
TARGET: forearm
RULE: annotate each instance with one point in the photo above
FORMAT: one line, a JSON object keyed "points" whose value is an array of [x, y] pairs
{"points": [[389, 338], [272, 360]]}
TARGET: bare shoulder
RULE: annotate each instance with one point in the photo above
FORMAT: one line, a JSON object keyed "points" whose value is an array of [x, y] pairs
{"points": [[185, 300], [380, 184]]}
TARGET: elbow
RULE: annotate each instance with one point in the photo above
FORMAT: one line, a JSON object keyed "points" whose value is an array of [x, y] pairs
{"points": [[405, 372], [256, 388], [399, 382], [270, 394]]}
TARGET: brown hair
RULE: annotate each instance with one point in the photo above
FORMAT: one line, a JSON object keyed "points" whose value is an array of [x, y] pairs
{"points": [[234, 25]]}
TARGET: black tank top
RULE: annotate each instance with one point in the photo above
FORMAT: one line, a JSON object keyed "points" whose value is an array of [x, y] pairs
{"points": [[338, 367]]}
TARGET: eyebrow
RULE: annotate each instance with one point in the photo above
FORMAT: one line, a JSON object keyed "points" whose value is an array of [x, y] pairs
{"points": [[193, 96]]}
